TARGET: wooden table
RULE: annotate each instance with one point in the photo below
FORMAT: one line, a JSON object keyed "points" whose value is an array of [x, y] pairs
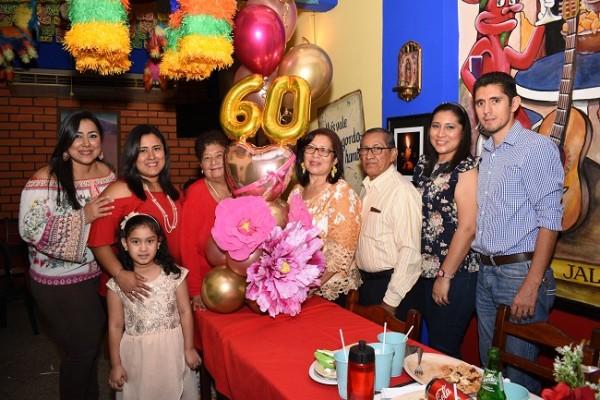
{"points": [[252, 356]]}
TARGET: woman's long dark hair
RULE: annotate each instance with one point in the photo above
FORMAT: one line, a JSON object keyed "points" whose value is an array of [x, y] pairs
{"points": [[338, 153], [63, 169], [129, 171], [464, 148], [163, 257]]}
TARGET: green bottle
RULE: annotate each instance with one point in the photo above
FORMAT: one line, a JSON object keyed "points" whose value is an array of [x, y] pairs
{"points": [[492, 385]]}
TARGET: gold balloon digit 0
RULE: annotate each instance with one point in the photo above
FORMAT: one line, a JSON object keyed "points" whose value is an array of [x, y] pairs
{"points": [[286, 134], [241, 119]]}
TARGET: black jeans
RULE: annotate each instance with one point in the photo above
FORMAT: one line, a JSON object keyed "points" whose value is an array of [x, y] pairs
{"points": [[447, 324], [372, 292], [77, 319]]}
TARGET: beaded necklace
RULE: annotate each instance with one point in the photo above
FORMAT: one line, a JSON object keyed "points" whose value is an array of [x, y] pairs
{"points": [[168, 226]]}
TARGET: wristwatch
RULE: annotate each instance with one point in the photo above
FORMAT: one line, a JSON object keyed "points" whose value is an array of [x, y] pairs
{"points": [[442, 273]]}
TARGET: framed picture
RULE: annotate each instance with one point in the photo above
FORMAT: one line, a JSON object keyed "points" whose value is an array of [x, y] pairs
{"points": [[110, 142], [409, 133]]}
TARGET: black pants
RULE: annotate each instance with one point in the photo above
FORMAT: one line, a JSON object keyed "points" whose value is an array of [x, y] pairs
{"points": [[372, 292], [77, 319]]}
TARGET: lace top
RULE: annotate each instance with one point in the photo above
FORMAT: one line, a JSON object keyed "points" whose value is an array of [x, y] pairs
{"points": [[158, 312], [336, 211], [440, 215]]}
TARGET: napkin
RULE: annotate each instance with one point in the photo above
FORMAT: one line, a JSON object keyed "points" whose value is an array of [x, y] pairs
{"points": [[389, 393]]}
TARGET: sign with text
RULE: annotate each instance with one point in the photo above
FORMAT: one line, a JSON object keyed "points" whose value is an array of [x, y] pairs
{"points": [[345, 117]]}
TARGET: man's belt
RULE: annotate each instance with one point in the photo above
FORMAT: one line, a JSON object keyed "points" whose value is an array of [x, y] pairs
{"points": [[369, 276], [509, 259]]}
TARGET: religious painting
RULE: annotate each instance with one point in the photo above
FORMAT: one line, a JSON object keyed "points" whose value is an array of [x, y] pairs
{"points": [[409, 71], [554, 54], [110, 142]]}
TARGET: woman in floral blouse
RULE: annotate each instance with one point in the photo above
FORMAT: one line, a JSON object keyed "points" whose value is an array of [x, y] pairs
{"points": [[58, 205], [335, 208], [446, 177]]}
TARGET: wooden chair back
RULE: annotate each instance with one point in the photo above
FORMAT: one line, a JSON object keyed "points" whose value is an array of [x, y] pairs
{"points": [[379, 315], [542, 334]]}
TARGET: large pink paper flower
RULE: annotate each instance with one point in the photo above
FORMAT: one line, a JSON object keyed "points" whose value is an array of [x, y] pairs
{"points": [[299, 212], [241, 225], [291, 264]]}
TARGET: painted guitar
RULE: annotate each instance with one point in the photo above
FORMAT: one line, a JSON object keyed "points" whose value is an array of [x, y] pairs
{"points": [[568, 127]]}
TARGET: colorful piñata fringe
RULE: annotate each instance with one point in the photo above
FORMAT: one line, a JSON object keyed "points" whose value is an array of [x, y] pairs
{"points": [[99, 36], [200, 38]]}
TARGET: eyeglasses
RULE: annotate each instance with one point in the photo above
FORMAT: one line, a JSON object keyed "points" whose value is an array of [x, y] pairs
{"points": [[323, 152], [363, 151]]}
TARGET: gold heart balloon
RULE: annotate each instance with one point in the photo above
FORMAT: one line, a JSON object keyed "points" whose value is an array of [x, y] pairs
{"points": [[258, 171]]}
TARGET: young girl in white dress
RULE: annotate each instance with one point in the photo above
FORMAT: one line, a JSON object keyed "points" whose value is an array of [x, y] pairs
{"points": [[151, 342]]}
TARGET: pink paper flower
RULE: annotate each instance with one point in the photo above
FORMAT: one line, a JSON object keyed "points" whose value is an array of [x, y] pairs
{"points": [[290, 266], [299, 212], [241, 225]]}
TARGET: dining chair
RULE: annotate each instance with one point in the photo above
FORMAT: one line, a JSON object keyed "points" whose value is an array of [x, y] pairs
{"points": [[13, 274], [379, 315], [543, 334]]}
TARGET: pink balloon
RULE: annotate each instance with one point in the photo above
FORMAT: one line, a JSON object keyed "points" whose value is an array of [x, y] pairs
{"points": [[259, 38], [286, 9], [259, 97]]}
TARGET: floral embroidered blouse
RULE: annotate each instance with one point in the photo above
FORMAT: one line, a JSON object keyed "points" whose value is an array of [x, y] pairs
{"points": [[56, 233], [336, 211], [440, 215]]}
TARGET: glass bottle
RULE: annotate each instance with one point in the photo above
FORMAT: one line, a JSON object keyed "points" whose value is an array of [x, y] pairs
{"points": [[361, 372], [492, 384]]}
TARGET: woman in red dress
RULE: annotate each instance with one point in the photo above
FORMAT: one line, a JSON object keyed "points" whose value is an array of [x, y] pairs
{"points": [[145, 187]]}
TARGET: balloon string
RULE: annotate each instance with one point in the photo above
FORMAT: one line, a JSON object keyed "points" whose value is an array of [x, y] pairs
{"points": [[274, 177]]}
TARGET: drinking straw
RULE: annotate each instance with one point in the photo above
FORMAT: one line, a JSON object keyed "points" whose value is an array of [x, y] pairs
{"points": [[409, 331], [384, 331], [455, 392], [343, 345]]}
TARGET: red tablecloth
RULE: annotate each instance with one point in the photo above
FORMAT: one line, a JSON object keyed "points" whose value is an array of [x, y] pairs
{"points": [[253, 356]]}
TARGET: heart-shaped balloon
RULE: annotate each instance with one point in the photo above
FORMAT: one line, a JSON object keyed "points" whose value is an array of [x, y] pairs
{"points": [[258, 171]]}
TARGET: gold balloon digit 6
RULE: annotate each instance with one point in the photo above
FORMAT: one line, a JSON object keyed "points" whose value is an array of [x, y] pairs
{"points": [[286, 134], [241, 119]]}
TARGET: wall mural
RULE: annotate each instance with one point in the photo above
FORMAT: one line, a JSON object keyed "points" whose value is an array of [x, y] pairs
{"points": [[553, 51]]}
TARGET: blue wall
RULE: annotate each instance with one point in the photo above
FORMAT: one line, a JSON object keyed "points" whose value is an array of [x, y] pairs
{"points": [[434, 25]]}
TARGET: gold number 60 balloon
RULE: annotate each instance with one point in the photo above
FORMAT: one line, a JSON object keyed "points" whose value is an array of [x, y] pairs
{"points": [[241, 119], [286, 134]]}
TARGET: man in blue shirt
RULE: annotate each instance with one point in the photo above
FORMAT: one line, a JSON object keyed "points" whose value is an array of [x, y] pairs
{"points": [[519, 216]]}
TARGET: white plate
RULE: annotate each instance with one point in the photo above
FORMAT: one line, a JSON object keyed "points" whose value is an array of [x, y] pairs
{"points": [[318, 378], [432, 365]]}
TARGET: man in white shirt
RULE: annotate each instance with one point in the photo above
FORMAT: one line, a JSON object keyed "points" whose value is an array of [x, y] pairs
{"points": [[389, 246]]}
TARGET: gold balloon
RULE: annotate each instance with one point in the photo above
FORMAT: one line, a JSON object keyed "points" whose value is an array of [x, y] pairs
{"points": [[214, 255], [258, 171], [287, 133], [239, 267], [253, 305], [310, 62], [240, 119], [279, 210], [223, 290]]}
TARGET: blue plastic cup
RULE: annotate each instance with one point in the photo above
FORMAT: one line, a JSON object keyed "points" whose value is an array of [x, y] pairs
{"points": [[383, 365], [398, 342], [341, 372]]}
